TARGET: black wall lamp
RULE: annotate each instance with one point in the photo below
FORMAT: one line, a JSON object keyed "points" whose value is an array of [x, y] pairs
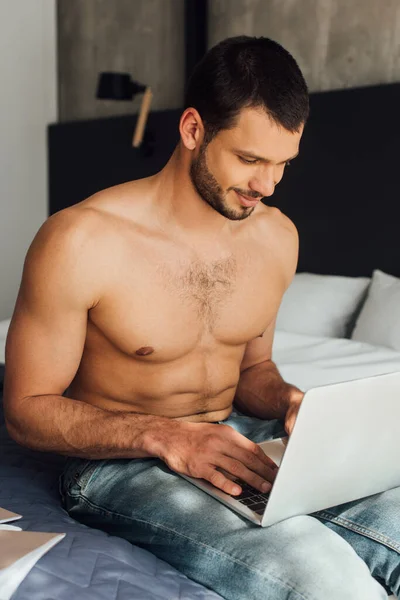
{"points": [[120, 86]]}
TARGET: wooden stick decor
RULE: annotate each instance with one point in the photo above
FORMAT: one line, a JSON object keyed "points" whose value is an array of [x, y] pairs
{"points": [[142, 119]]}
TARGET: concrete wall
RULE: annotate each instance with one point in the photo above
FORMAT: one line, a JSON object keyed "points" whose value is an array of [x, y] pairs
{"points": [[27, 105], [140, 37], [337, 44]]}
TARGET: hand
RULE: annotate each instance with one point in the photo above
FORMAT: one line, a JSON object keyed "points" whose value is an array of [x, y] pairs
{"points": [[201, 449], [295, 399]]}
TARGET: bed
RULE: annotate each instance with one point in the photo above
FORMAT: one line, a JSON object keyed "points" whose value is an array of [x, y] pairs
{"points": [[337, 320]]}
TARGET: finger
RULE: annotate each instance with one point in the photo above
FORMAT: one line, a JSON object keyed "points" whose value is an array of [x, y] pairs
{"points": [[252, 448], [219, 480], [254, 463], [289, 424], [239, 470]]}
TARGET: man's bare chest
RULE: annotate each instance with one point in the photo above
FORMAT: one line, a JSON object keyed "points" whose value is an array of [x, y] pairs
{"points": [[165, 305]]}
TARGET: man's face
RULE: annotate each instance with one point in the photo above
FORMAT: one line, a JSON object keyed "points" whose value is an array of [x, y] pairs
{"points": [[248, 159]]}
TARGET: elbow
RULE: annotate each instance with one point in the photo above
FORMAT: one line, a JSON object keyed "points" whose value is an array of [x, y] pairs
{"points": [[12, 431], [19, 435], [13, 422]]}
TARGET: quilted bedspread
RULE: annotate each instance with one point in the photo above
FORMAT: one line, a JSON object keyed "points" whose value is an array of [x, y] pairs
{"points": [[87, 564]]}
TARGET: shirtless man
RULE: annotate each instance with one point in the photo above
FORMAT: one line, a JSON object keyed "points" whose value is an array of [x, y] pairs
{"points": [[148, 309]]}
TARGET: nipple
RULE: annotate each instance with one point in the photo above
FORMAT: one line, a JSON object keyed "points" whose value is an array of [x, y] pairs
{"points": [[144, 351]]}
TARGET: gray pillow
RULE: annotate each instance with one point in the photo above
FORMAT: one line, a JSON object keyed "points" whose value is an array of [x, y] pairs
{"points": [[379, 320], [321, 305]]}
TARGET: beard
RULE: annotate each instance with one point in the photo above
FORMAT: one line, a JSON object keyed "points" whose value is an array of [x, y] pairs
{"points": [[209, 189]]}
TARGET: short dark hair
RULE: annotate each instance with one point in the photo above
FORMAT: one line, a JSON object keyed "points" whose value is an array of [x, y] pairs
{"points": [[247, 72]]}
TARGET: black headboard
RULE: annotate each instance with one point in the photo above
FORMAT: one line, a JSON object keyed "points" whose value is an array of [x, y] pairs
{"points": [[88, 156], [342, 191]]}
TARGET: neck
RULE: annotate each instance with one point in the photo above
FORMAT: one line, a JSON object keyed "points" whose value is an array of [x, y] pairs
{"points": [[178, 205]]}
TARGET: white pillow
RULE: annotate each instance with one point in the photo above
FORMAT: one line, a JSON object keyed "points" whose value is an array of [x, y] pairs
{"points": [[4, 326], [321, 305], [379, 320]]}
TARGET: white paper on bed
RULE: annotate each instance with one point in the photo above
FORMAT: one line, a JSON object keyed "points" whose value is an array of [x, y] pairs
{"points": [[20, 551], [7, 515], [309, 361]]}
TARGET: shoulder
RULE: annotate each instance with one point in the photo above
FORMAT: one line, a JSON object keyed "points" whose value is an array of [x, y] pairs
{"points": [[278, 232], [286, 230], [75, 249], [68, 231], [95, 219], [64, 255], [93, 228], [272, 216]]}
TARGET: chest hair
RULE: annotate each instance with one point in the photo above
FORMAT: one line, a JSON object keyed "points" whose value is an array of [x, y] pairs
{"points": [[208, 285]]}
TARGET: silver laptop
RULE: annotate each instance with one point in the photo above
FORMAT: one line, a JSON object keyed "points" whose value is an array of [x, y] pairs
{"points": [[345, 445]]}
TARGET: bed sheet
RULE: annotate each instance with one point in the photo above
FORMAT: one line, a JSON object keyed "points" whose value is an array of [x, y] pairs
{"points": [[309, 361]]}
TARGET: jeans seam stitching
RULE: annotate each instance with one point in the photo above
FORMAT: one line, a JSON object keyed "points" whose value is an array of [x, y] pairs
{"points": [[83, 481], [368, 532], [232, 558]]}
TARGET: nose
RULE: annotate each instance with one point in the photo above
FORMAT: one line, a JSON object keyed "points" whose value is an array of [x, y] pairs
{"points": [[265, 185]]}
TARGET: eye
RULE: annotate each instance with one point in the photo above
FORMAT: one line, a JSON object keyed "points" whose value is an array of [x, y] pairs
{"points": [[248, 162]]}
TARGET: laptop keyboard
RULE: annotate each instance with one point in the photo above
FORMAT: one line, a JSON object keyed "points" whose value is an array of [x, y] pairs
{"points": [[252, 498]]}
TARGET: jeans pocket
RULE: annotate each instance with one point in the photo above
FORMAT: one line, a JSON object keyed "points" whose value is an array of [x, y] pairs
{"points": [[75, 476], [85, 475]]}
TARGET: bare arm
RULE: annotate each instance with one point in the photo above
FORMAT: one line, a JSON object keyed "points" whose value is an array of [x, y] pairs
{"points": [[263, 393], [45, 345]]}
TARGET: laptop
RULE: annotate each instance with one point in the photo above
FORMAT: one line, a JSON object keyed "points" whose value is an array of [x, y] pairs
{"points": [[344, 446]]}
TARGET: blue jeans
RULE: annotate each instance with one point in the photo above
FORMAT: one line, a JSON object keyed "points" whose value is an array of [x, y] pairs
{"points": [[348, 552]]}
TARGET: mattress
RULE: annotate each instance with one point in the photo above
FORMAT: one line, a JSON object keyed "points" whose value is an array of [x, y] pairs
{"points": [[89, 564]]}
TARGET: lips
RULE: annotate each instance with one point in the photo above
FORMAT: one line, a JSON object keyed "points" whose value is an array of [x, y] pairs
{"points": [[245, 201]]}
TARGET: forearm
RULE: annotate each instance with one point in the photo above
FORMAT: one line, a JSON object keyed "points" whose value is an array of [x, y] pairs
{"points": [[262, 393], [74, 428]]}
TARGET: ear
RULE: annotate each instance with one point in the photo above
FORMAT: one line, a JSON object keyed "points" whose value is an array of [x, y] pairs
{"points": [[191, 129]]}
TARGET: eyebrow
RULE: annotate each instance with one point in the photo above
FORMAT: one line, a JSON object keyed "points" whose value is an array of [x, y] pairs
{"points": [[266, 160]]}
